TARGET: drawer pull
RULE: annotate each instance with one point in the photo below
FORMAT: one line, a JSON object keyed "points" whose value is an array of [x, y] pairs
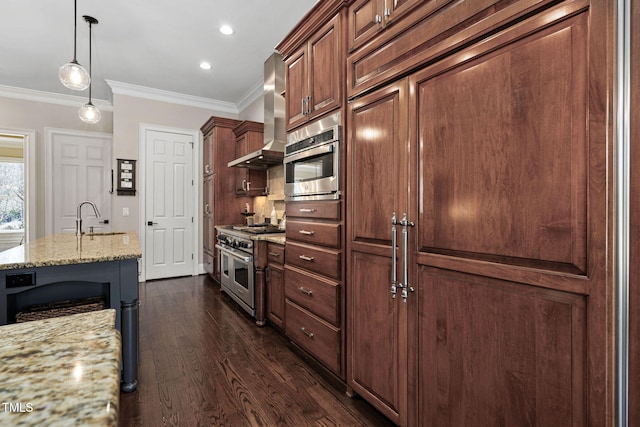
{"points": [[305, 291], [307, 333], [306, 233], [306, 258], [274, 254], [307, 210]]}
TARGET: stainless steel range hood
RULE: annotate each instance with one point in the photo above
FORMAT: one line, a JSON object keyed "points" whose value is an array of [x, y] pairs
{"points": [[275, 133]]}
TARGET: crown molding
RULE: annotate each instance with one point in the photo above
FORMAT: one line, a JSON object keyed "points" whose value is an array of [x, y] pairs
{"points": [[256, 91], [51, 98], [171, 97]]}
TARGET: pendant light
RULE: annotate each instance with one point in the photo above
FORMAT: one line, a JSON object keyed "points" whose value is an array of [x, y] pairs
{"points": [[72, 74], [89, 113]]}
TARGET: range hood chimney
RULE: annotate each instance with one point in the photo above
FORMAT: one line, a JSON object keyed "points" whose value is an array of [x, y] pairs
{"points": [[275, 133]]}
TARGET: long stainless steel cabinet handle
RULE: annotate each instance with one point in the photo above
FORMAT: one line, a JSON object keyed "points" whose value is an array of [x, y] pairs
{"points": [[394, 274], [405, 258]]}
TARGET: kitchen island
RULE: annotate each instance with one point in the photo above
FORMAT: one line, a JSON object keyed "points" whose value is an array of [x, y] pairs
{"points": [[60, 371], [67, 268]]}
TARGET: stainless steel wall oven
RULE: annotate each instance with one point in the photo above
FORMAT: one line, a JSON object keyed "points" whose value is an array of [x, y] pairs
{"points": [[312, 161]]}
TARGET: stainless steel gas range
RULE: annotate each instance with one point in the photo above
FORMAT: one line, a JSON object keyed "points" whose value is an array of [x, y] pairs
{"points": [[237, 270]]}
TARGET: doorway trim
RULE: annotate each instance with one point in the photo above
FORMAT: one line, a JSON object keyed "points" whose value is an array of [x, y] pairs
{"points": [[29, 159], [141, 175]]}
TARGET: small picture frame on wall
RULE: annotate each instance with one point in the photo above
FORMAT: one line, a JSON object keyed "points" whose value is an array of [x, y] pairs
{"points": [[126, 177]]}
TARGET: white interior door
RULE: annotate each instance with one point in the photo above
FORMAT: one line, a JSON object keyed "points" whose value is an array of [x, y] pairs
{"points": [[169, 204], [79, 169]]}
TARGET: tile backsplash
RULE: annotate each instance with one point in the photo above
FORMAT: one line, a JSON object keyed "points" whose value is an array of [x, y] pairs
{"points": [[262, 205]]}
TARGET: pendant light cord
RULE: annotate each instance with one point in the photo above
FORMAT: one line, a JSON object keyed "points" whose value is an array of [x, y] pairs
{"points": [[90, 81], [75, 28]]}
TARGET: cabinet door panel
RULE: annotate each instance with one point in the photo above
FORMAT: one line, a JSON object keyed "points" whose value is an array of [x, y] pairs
{"points": [[377, 155], [510, 255], [325, 68], [296, 87], [365, 20], [492, 352], [275, 295]]}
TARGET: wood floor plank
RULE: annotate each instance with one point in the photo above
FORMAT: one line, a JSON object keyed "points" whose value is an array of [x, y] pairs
{"points": [[204, 362]]}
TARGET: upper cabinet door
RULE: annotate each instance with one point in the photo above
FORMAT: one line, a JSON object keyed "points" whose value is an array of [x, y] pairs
{"points": [[315, 75], [325, 69], [365, 20], [296, 87], [368, 17]]}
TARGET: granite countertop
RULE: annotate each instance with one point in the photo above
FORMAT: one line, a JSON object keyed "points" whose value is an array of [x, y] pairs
{"points": [[61, 371], [274, 238], [64, 249]]}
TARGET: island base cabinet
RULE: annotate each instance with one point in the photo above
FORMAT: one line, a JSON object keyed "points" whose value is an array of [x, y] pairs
{"points": [[115, 281]]}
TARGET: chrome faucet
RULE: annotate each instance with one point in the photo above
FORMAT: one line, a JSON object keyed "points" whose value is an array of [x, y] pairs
{"points": [[79, 215]]}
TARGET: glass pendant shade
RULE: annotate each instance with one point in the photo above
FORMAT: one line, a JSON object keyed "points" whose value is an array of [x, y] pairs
{"points": [[89, 113], [74, 76]]}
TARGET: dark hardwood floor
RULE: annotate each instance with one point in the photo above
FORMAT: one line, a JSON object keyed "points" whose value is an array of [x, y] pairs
{"points": [[204, 362]]}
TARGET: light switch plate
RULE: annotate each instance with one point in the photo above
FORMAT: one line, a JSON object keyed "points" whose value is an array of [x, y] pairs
{"points": [[125, 211]]}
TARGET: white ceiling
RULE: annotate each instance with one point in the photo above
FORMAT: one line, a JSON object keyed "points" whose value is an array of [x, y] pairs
{"points": [[155, 44]]}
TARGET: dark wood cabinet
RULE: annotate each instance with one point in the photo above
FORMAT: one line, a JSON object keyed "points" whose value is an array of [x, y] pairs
{"points": [[377, 179], [314, 76], [220, 204], [249, 138], [366, 18], [497, 155], [275, 310], [208, 224], [313, 275]]}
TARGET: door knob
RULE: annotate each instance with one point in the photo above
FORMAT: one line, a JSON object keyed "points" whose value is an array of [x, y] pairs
{"points": [[106, 221], [151, 223]]}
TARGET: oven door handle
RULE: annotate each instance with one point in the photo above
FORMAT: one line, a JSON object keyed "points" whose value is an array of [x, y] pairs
{"points": [[328, 147], [231, 252]]}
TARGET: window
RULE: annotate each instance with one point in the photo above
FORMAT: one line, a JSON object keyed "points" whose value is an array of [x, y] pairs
{"points": [[11, 194]]}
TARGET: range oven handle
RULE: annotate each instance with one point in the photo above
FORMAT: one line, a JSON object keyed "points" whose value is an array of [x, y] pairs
{"points": [[231, 252]]}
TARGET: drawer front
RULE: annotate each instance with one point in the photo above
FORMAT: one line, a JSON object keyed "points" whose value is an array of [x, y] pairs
{"points": [[275, 253], [318, 210], [317, 233], [316, 336], [316, 294], [313, 258]]}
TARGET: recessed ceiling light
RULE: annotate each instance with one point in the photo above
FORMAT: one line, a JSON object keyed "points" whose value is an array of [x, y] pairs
{"points": [[226, 30], [205, 65]]}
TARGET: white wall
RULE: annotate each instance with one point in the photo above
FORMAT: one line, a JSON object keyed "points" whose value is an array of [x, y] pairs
{"points": [[36, 115], [129, 112]]}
